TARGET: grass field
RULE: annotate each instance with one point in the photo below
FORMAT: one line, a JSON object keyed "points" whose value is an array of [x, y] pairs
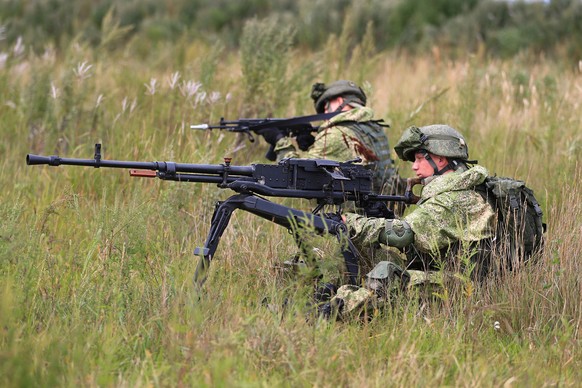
{"points": [[96, 267]]}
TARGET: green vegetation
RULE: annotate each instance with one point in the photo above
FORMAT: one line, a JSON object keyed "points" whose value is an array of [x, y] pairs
{"points": [[96, 267], [502, 28]]}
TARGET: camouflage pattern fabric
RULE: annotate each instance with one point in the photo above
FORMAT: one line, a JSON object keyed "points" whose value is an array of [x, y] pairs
{"points": [[449, 211], [360, 300], [344, 137], [356, 300], [438, 139]]}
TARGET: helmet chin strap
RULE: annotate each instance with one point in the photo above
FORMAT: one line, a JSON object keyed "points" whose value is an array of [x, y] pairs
{"points": [[342, 105], [450, 166], [339, 108], [346, 101]]}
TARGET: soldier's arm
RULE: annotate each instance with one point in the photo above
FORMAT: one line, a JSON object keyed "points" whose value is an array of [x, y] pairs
{"points": [[365, 231], [331, 143]]}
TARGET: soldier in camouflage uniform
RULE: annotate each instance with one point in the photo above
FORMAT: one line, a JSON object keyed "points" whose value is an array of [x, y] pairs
{"points": [[451, 220], [351, 134]]}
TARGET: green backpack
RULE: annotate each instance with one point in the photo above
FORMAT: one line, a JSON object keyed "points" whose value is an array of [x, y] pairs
{"points": [[520, 228]]}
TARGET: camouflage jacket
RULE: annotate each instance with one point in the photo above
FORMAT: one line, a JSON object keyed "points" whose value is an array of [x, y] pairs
{"points": [[448, 212], [349, 135]]}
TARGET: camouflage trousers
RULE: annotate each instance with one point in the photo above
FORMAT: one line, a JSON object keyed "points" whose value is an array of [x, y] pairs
{"points": [[381, 288]]}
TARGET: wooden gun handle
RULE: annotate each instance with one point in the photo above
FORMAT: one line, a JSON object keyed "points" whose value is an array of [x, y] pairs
{"points": [[143, 173], [410, 183]]}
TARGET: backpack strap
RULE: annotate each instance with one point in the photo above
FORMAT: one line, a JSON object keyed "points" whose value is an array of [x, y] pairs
{"points": [[484, 191]]}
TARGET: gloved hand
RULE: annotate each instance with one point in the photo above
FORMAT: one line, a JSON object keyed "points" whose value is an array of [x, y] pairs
{"points": [[271, 135], [378, 210], [305, 140]]}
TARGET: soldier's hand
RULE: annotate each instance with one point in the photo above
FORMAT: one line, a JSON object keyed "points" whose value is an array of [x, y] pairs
{"points": [[305, 140], [271, 135]]}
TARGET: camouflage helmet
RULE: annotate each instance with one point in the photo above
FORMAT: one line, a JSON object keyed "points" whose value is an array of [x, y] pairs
{"points": [[438, 139], [321, 93]]}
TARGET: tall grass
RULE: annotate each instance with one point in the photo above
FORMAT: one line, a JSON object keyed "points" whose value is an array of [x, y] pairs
{"points": [[96, 268]]}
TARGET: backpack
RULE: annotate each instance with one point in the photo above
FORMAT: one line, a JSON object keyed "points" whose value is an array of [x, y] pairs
{"points": [[519, 232]]}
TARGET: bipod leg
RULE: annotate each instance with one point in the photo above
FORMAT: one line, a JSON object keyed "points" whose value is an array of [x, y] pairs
{"points": [[349, 251], [306, 255], [220, 219], [303, 247], [351, 254]]}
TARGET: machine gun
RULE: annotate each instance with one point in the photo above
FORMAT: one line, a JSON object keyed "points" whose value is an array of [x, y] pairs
{"points": [[290, 127], [325, 181]]}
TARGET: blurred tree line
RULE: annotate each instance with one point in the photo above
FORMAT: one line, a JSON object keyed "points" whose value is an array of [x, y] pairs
{"points": [[496, 27]]}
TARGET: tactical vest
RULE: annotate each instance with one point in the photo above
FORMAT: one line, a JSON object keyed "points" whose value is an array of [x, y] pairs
{"points": [[372, 135]]}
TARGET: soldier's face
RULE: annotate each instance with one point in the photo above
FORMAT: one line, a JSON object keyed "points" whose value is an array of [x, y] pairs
{"points": [[332, 105], [421, 166], [423, 169]]}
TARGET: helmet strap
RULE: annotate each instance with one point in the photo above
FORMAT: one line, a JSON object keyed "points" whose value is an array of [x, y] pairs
{"points": [[450, 166], [338, 109], [343, 104], [349, 100]]}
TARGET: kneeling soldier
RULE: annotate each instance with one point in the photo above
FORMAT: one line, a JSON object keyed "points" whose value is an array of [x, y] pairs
{"points": [[452, 224]]}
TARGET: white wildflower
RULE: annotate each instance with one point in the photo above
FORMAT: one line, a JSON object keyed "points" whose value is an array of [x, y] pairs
{"points": [[228, 97], [18, 48], [188, 89], [124, 104], [151, 87], [82, 70], [99, 101], [214, 97], [200, 97], [496, 325], [3, 59], [173, 80], [54, 91]]}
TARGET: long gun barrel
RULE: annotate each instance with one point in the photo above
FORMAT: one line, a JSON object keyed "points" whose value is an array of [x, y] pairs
{"points": [[154, 166], [210, 173]]}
